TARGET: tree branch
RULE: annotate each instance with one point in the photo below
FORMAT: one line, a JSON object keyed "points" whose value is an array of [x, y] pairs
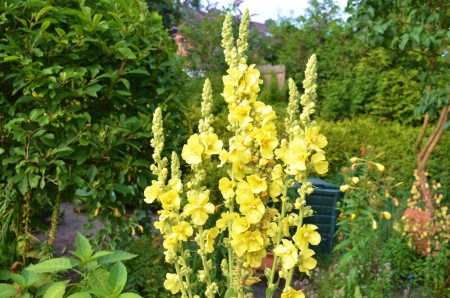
{"points": [[422, 133]]}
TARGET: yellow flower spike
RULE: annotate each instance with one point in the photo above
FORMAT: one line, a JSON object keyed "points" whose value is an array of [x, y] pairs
{"points": [[306, 235], [307, 262], [288, 253], [171, 283], [192, 151], [198, 207], [151, 192], [293, 294], [355, 180], [344, 188]]}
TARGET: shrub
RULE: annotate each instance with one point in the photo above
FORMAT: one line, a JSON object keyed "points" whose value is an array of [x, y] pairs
{"points": [[79, 81]]}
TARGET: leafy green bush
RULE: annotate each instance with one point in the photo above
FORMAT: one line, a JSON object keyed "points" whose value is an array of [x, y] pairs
{"points": [[79, 82], [97, 276]]}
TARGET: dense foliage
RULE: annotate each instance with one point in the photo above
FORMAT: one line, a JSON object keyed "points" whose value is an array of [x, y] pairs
{"points": [[79, 81]]}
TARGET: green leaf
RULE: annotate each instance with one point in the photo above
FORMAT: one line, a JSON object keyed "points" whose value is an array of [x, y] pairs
{"points": [[126, 52], [2, 150], [7, 291], [56, 290], [93, 89], [44, 26], [91, 173], [11, 58], [160, 90], [80, 295], [100, 292], [5, 274], [117, 278], [141, 163], [23, 185], [83, 246], [98, 278], [19, 279], [129, 295], [405, 38], [121, 188], [52, 265], [116, 256], [35, 3], [230, 293]]}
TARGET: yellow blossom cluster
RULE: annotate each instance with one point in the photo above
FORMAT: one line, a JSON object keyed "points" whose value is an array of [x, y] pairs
{"points": [[261, 168]]}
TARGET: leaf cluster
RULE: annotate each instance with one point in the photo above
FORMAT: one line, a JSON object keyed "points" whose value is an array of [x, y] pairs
{"points": [[78, 83]]}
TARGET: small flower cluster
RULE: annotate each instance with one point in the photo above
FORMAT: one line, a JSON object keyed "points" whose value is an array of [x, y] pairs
{"points": [[426, 230], [260, 171]]}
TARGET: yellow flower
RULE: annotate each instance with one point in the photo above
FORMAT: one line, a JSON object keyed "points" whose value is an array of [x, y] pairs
{"points": [[222, 223], [240, 225], [379, 166], [239, 243], [170, 241], [267, 143], [253, 209], [151, 192], [254, 258], [175, 184], [306, 261], [198, 207], [254, 240], [307, 234], [223, 156], [288, 253], [183, 230], [171, 283], [170, 200], [320, 165], [275, 189], [244, 192], [355, 180], [226, 187], [256, 183], [277, 172], [241, 114], [240, 169], [296, 156], [344, 187], [192, 151], [386, 215], [293, 294], [211, 235], [317, 140], [212, 143]]}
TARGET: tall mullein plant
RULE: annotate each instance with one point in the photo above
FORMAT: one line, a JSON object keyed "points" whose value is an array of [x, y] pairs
{"points": [[260, 170]]}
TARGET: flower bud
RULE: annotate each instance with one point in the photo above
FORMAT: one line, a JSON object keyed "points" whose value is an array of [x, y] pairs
{"points": [[355, 180], [374, 224], [386, 215], [353, 216], [344, 188], [354, 159], [379, 166]]}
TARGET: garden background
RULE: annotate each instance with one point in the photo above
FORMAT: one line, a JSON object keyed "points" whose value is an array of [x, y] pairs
{"points": [[80, 81]]}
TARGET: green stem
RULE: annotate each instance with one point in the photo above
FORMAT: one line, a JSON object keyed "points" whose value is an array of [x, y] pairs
{"points": [[205, 262], [280, 231], [180, 280]]}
